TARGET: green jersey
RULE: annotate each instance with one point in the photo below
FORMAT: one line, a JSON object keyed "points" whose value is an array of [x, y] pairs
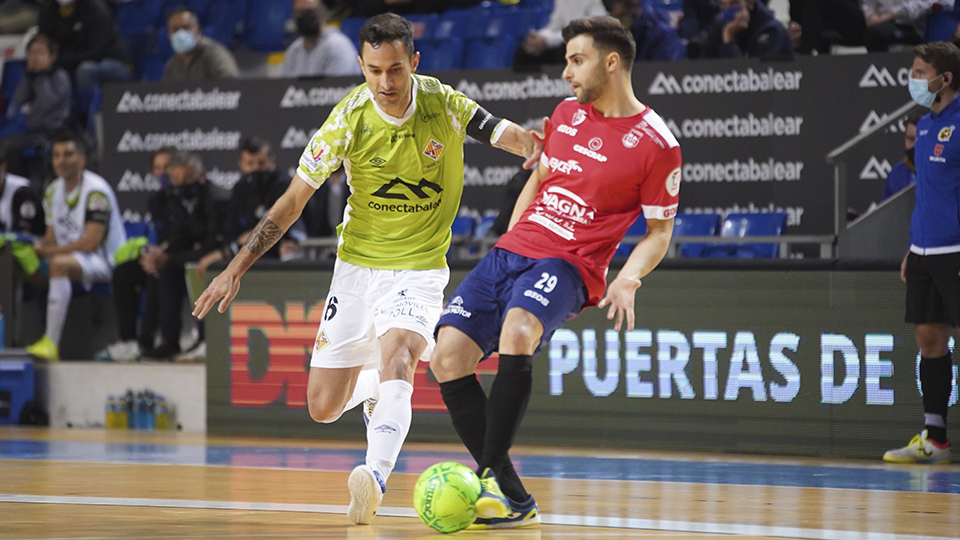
{"points": [[405, 174]]}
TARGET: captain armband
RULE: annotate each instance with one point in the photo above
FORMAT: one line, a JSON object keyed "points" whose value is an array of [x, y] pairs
{"points": [[486, 127]]}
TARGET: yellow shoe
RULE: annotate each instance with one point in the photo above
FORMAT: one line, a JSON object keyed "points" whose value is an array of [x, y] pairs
{"points": [[492, 503], [45, 349]]}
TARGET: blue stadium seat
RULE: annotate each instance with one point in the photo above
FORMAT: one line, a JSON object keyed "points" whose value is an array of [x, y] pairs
{"points": [[744, 225], [139, 17], [351, 28], [200, 7], [490, 53], [514, 21], [223, 19], [265, 23], [546, 5], [695, 225], [440, 55], [151, 67], [483, 228], [85, 104], [463, 226], [14, 121], [940, 26], [639, 228], [463, 23], [424, 26]]}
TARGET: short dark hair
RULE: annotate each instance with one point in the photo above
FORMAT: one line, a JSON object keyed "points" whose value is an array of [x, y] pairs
{"points": [[255, 145], [608, 34], [385, 28], [192, 160], [183, 9], [66, 135], [46, 40], [943, 56]]}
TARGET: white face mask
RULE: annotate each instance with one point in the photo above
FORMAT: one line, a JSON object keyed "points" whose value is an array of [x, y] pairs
{"points": [[65, 2]]}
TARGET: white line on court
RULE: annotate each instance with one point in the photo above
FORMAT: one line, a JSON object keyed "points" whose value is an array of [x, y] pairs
{"points": [[550, 519]]}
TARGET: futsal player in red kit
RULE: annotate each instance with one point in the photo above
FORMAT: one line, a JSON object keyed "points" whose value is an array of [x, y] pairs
{"points": [[608, 158]]}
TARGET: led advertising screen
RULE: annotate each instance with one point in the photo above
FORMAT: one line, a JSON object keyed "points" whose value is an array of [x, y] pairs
{"points": [[804, 362]]}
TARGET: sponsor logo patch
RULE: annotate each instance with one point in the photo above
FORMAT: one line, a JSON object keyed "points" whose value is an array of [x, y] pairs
{"points": [[673, 182], [322, 341]]}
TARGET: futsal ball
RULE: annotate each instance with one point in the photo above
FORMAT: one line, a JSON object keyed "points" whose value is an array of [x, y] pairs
{"points": [[445, 496]]}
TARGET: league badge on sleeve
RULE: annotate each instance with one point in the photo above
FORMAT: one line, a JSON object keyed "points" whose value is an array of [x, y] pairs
{"points": [[673, 182]]}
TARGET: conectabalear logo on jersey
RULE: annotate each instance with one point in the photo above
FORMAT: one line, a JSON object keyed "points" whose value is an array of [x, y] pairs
{"points": [[400, 190]]}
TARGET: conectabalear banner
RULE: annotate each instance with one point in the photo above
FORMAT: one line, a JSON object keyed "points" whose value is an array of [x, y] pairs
{"points": [[754, 134]]}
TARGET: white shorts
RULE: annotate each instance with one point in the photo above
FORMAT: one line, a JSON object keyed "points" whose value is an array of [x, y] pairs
{"points": [[95, 268], [364, 303]]}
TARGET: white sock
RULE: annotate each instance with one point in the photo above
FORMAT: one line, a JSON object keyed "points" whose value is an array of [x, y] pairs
{"points": [[58, 301], [368, 386], [389, 426]]}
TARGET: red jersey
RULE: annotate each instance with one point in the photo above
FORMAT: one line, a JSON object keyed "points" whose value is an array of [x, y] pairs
{"points": [[601, 174]]}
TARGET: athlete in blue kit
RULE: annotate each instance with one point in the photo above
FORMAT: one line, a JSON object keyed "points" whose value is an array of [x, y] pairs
{"points": [[931, 269]]}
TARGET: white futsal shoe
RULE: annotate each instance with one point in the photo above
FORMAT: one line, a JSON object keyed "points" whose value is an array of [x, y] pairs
{"points": [[366, 492]]}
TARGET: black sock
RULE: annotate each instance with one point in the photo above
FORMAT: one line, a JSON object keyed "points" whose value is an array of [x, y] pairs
{"points": [[505, 409], [936, 380], [467, 404]]}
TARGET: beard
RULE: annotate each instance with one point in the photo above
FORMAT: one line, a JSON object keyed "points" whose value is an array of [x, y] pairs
{"points": [[591, 88]]}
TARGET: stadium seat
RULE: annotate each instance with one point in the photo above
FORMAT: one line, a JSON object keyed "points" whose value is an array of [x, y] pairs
{"points": [[484, 226], [223, 19], [695, 225], [13, 71], [546, 5], [462, 23], [138, 17], [490, 53], [264, 28], [940, 26], [639, 228], [151, 67], [463, 226], [351, 28], [423, 25], [462, 232], [514, 21], [744, 225], [14, 121], [200, 7], [440, 55]]}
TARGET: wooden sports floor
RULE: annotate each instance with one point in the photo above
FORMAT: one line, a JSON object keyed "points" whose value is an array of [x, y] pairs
{"points": [[93, 484]]}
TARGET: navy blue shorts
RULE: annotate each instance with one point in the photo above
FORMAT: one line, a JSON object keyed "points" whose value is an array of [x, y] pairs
{"points": [[550, 289]]}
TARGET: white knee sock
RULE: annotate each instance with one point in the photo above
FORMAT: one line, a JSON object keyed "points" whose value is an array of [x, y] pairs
{"points": [[389, 426], [58, 301], [368, 386]]}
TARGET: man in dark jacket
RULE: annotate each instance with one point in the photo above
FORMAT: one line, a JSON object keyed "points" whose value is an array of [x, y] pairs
{"points": [[43, 96], [747, 28], [187, 226], [90, 46]]}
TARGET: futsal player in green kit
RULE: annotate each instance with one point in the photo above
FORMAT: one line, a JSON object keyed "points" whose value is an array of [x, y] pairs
{"points": [[400, 139]]}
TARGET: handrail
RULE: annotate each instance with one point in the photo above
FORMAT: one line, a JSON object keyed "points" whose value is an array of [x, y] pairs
{"points": [[860, 137]]}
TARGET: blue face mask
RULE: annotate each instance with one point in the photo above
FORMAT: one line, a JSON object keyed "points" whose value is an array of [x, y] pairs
{"points": [[919, 92], [183, 41]]}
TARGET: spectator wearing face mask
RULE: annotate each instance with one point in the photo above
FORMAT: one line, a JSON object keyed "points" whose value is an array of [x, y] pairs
{"points": [[320, 50], [197, 58], [259, 187]]}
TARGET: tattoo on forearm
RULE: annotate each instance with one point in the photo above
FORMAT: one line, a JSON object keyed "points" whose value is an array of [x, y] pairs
{"points": [[264, 236]]}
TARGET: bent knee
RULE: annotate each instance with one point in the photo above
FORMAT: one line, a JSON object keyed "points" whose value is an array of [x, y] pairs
{"points": [[323, 411]]}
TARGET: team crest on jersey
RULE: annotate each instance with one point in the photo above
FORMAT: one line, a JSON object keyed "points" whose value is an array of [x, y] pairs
{"points": [[631, 140], [433, 150], [673, 182], [322, 341], [579, 117], [945, 134], [28, 210]]}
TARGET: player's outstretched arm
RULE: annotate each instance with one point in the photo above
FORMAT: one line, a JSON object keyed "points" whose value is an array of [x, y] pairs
{"points": [[271, 228], [642, 260], [523, 142], [527, 195]]}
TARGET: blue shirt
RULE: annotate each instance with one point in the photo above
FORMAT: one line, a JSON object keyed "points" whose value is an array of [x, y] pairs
{"points": [[935, 224]]}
